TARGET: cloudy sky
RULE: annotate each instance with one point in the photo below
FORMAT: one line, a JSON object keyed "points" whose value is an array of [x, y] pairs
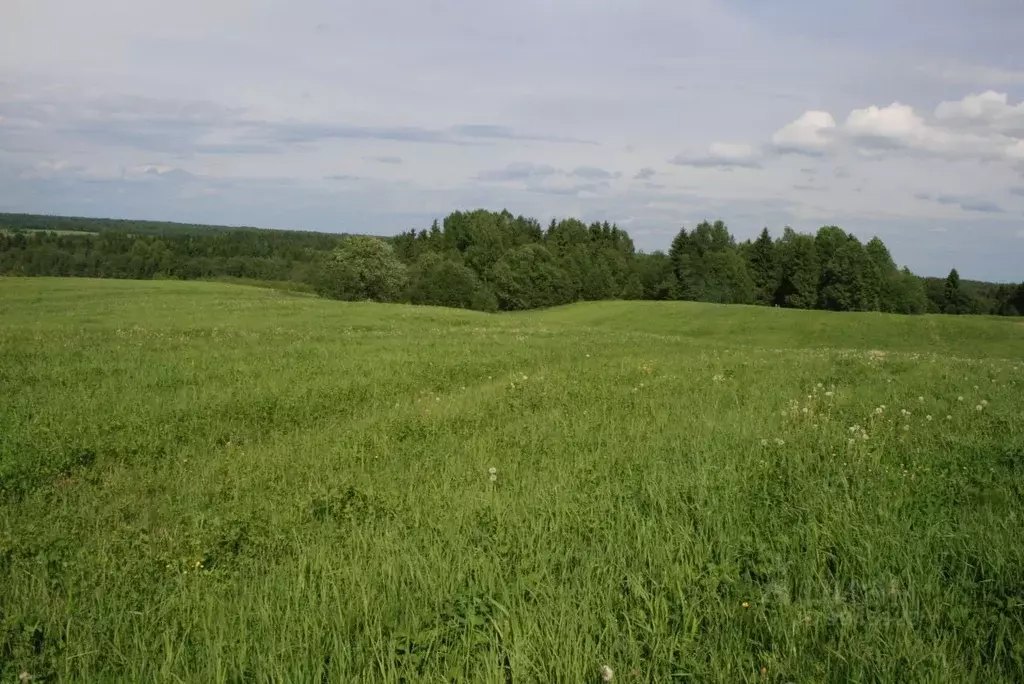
{"points": [[901, 118]]}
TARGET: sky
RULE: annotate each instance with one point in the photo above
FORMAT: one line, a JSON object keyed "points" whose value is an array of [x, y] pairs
{"points": [[897, 118]]}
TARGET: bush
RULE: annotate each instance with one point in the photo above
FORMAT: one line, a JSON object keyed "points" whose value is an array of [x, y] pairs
{"points": [[361, 268]]}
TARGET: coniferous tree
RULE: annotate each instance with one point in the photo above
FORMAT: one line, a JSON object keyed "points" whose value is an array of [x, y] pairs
{"points": [[956, 301], [764, 268], [679, 255]]}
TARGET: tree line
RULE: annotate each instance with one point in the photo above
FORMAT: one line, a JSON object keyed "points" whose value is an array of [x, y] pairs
{"points": [[495, 261]]}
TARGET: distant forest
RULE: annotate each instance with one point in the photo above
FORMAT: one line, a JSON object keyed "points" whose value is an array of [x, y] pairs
{"points": [[494, 261]]}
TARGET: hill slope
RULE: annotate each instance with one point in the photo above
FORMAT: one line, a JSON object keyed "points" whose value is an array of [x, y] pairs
{"points": [[208, 482]]}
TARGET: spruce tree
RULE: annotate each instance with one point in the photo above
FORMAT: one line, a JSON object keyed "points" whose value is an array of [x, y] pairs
{"points": [[764, 268], [954, 295]]}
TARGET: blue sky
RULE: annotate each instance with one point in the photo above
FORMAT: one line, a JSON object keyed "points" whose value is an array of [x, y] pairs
{"points": [[898, 119]]}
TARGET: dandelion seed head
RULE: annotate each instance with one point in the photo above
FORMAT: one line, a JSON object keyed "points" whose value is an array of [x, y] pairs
{"points": [[978, 407], [906, 427], [492, 470], [928, 418], [607, 674], [494, 477]]}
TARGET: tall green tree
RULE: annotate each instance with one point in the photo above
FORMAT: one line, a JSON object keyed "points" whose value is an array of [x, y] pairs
{"points": [[957, 300], [764, 268], [882, 276], [528, 277], [441, 281], [682, 259], [800, 273], [845, 278], [906, 294]]}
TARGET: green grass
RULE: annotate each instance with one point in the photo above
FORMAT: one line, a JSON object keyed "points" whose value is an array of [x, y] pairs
{"points": [[203, 482]]}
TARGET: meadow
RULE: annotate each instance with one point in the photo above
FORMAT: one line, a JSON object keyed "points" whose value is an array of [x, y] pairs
{"points": [[208, 482]]}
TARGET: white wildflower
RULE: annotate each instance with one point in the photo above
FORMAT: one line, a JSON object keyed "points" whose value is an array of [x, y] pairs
{"points": [[829, 393], [780, 442], [606, 674], [928, 418], [959, 398], [984, 403], [906, 427], [979, 407], [492, 470], [764, 442]]}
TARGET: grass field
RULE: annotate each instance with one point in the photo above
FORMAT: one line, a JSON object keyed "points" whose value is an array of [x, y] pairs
{"points": [[203, 482]]}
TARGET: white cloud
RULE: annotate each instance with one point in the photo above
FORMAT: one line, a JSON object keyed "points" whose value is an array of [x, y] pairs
{"points": [[896, 122], [988, 109], [978, 127], [1015, 150], [809, 134]]}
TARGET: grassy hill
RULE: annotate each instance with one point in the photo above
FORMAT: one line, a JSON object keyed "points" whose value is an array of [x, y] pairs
{"points": [[212, 482]]}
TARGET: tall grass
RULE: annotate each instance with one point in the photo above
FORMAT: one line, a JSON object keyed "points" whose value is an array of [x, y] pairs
{"points": [[204, 482]]}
